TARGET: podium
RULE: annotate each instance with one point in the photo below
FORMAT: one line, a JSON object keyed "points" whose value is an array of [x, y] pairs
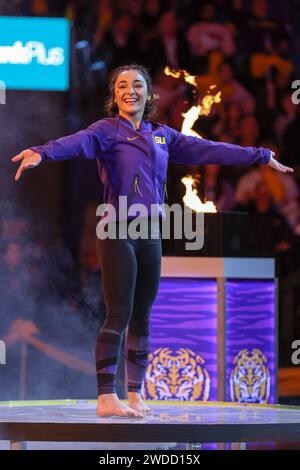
{"points": [[214, 331]]}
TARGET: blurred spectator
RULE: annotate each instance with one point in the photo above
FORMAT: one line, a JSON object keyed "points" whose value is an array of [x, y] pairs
{"points": [[234, 14], [290, 140], [265, 65], [150, 19], [119, 45], [170, 91], [176, 111], [285, 117], [83, 19], [208, 40], [268, 232], [262, 33], [270, 65], [104, 20], [249, 131], [233, 91], [282, 186], [268, 91], [213, 186], [227, 128], [169, 48], [135, 9]]}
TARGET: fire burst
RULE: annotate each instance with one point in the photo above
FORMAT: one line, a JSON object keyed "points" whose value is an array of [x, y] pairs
{"points": [[191, 198]]}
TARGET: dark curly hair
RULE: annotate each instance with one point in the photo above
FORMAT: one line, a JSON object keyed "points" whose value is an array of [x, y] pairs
{"points": [[110, 106]]}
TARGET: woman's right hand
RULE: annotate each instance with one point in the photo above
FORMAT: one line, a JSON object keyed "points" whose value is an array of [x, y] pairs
{"points": [[30, 160]]}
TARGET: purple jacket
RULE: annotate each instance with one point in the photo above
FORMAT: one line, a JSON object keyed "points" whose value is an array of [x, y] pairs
{"points": [[134, 163]]}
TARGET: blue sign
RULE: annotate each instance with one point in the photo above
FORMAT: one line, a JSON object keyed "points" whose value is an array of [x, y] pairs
{"points": [[34, 53]]}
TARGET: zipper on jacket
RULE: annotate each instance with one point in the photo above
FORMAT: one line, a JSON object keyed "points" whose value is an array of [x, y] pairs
{"points": [[165, 191], [135, 185]]}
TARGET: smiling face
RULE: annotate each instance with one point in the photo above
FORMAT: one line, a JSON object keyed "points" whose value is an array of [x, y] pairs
{"points": [[131, 93]]}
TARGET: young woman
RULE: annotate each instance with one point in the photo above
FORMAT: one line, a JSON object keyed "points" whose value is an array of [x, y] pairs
{"points": [[132, 153]]}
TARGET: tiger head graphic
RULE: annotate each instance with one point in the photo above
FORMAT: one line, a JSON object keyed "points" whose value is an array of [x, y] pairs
{"points": [[176, 375], [250, 379]]}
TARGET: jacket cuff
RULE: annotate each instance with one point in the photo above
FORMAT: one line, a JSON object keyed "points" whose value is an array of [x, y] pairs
{"points": [[41, 151], [265, 155]]}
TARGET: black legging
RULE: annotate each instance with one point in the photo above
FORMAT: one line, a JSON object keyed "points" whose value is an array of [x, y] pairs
{"points": [[130, 272]]}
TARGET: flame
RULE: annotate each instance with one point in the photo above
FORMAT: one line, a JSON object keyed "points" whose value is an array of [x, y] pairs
{"points": [[191, 199], [191, 79], [202, 109]]}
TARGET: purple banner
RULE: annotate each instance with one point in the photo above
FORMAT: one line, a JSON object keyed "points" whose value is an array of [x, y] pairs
{"points": [[250, 341], [182, 363]]}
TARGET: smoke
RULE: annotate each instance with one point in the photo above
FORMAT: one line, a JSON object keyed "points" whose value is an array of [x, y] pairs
{"points": [[37, 285], [39, 279]]}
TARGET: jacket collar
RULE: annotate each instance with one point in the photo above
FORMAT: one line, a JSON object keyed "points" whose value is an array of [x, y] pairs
{"points": [[143, 124]]}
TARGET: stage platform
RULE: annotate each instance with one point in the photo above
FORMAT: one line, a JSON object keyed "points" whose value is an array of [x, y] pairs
{"points": [[173, 422]]}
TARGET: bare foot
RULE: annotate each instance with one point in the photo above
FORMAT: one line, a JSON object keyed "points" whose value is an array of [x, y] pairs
{"points": [[136, 402], [110, 405]]}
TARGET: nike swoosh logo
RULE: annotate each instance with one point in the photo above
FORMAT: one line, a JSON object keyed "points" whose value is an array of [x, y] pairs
{"points": [[133, 138]]}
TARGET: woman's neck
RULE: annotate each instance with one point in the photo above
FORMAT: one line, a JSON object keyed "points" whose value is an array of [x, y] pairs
{"points": [[134, 119]]}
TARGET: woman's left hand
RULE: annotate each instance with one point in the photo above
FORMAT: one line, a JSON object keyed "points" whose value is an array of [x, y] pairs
{"points": [[273, 163]]}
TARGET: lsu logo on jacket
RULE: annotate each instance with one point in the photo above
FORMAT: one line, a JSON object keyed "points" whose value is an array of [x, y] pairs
{"points": [[159, 139]]}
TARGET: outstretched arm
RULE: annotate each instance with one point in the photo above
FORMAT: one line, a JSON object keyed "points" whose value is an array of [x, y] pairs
{"points": [[84, 144], [190, 150]]}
